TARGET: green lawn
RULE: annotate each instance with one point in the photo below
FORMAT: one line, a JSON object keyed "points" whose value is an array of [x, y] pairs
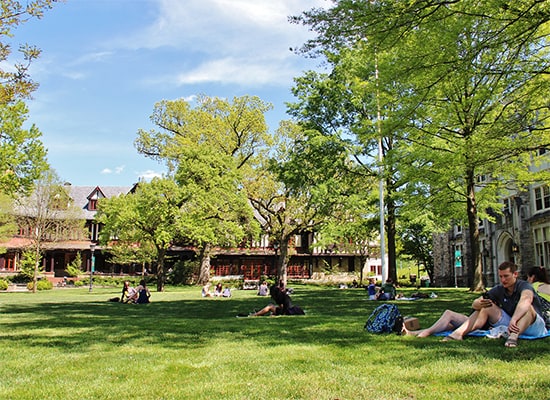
{"points": [[72, 344]]}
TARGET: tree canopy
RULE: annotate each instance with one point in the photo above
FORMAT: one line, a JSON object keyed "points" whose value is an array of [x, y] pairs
{"points": [[466, 82], [146, 218]]}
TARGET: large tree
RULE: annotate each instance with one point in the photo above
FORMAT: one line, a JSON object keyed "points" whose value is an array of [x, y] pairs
{"points": [[22, 154], [357, 101], [147, 218], [299, 187], [208, 146], [48, 215], [474, 108], [216, 212]]}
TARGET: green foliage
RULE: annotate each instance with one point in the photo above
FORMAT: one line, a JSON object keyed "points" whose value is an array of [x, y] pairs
{"points": [[144, 220], [74, 268], [459, 127], [183, 272], [41, 284], [15, 82], [3, 284], [8, 227], [208, 149], [23, 154], [28, 263]]}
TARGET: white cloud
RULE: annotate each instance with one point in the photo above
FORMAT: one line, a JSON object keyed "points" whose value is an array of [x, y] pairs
{"points": [[228, 41], [148, 175], [93, 57], [118, 170], [236, 71]]}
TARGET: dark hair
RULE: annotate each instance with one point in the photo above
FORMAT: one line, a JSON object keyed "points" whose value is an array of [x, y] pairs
{"points": [[507, 264], [539, 273], [142, 282]]}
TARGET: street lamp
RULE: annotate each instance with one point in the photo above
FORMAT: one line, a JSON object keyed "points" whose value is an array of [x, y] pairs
{"points": [[92, 266]]}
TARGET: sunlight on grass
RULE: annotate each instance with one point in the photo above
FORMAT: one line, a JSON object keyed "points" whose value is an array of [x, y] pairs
{"points": [[72, 344]]}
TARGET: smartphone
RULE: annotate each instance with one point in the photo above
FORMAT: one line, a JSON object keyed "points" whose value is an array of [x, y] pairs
{"points": [[485, 295]]}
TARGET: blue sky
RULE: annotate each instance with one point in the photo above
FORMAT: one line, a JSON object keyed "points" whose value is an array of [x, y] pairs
{"points": [[105, 63]]}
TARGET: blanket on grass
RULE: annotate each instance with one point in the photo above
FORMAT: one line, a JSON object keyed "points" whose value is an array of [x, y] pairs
{"points": [[491, 333]]}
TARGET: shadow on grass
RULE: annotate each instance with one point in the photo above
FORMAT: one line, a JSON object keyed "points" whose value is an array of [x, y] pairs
{"points": [[334, 318]]}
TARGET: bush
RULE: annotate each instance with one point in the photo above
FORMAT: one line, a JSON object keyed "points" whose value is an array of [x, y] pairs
{"points": [[28, 263], [3, 284], [74, 269], [42, 284], [182, 273]]}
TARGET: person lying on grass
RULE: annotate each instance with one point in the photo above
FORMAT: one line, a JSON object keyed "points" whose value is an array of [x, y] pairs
{"points": [[281, 305], [512, 303]]}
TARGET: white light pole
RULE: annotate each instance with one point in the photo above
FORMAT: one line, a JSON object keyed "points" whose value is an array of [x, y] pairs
{"points": [[381, 172], [92, 266]]}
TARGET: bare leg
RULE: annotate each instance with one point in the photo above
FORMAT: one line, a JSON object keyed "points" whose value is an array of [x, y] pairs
{"points": [[477, 320], [270, 308], [521, 326], [448, 320]]}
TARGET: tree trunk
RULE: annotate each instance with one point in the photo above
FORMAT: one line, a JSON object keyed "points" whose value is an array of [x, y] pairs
{"points": [[36, 269], [282, 260], [204, 274], [160, 269]]}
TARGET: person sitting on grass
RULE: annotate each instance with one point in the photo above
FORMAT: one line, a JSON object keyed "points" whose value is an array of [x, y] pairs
{"points": [[538, 277], [512, 303], [371, 289], [143, 293], [218, 290], [263, 290], [206, 290], [124, 294], [387, 291], [282, 305], [131, 295]]}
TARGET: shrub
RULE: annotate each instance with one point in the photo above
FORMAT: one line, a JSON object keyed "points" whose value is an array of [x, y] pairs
{"points": [[42, 284], [3, 284], [182, 272], [28, 263], [75, 267]]}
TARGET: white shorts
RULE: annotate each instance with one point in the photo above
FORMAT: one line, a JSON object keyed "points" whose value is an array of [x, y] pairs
{"points": [[536, 329]]}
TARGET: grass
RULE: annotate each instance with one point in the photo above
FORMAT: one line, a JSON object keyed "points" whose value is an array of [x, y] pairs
{"points": [[72, 344]]}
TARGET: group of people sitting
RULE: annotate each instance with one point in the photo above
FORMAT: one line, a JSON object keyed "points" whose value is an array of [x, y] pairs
{"points": [[385, 292], [135, 295], [514, 306], [219, 291]]}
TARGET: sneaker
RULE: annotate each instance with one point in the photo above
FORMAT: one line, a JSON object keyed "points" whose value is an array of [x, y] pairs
{"points": [[243, 315]]}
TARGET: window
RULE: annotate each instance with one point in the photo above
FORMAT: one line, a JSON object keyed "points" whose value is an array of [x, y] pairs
{"points": [[542, 245], [92, 205], [542, 198]]}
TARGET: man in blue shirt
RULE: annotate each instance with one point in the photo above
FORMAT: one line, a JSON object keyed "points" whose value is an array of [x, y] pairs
{"points": [[513, 304]]}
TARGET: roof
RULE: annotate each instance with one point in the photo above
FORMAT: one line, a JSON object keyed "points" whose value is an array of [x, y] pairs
{"points": [[82, 194]]}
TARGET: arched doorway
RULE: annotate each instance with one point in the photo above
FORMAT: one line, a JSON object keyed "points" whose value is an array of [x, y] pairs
{"points": [[505, 249]]}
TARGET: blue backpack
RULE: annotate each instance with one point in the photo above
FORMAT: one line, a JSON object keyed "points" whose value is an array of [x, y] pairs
{"points": [[385, 318]]}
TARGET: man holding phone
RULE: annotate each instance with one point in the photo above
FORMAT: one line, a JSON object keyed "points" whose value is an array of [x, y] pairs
{"points": [[512, 303]]}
